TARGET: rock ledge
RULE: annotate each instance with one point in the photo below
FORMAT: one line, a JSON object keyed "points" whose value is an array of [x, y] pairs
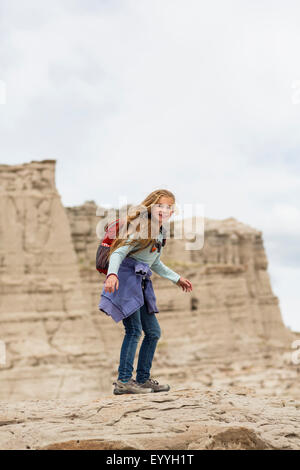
{"points": [[186, 419]]}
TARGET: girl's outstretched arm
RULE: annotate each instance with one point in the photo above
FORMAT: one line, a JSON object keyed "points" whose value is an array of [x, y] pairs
{"points": [[162, 270]]}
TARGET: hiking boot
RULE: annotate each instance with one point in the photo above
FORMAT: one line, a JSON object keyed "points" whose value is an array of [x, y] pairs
{"points": [[130, 387], [156, 387]]}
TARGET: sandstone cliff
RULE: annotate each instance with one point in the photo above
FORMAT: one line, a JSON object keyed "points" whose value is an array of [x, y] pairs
{"points": [[44, 316], [227, 332]]}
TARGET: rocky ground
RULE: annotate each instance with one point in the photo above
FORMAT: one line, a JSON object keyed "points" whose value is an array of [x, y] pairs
{"points": [[182, 418]]}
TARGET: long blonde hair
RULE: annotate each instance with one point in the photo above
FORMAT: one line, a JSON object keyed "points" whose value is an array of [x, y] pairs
{"points": [[142, 210]]}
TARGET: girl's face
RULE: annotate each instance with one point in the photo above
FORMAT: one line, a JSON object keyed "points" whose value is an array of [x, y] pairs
{"points": [[163, 209]]}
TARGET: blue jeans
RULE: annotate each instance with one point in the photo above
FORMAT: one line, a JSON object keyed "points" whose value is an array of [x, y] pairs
{"points": [[134, 324]]}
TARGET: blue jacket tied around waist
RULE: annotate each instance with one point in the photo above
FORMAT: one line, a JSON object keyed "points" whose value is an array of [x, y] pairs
{"points": [[135, 290]]}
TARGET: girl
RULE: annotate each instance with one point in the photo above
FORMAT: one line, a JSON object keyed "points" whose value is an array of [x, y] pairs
{"points": [[158, 207]]}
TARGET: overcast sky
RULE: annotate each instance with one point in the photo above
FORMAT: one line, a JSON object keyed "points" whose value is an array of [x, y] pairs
{"points": [[202, 98]]}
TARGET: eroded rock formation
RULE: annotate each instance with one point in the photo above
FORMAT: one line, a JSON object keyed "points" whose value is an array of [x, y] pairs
{"points": [[227, 332], [44, 316]]}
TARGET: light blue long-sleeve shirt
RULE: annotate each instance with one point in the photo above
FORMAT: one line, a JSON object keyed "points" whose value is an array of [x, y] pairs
{"points": [[151, 258]]}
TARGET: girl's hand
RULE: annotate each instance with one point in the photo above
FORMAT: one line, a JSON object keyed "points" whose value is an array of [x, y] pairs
{"points": [[111, 283], [185, 284]]}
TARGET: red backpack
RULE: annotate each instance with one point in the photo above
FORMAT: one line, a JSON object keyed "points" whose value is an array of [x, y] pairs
{"points": [[111, 232]]}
